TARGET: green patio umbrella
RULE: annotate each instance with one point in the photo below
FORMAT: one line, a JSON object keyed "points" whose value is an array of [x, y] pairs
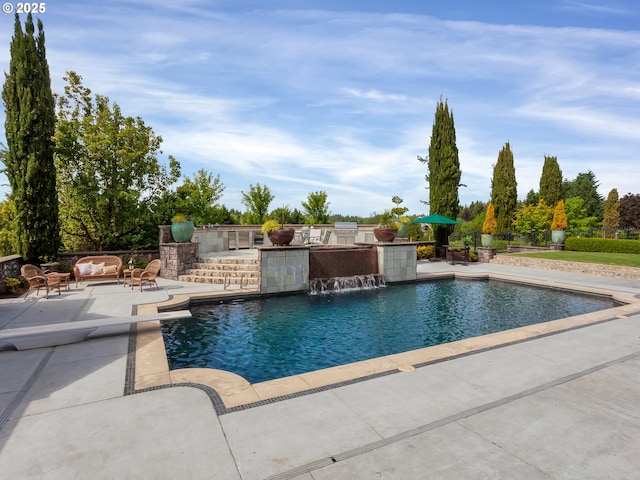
{"points": [[437, 219]]}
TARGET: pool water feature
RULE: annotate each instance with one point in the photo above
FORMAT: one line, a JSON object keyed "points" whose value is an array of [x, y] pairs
{"points": [[274, 337]]}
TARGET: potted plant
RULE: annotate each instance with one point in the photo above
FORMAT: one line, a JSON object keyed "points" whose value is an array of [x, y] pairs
{"points": [[278, 235], [386, 230], [559, 224], [181, 228], [401, 222], [489, 227]]}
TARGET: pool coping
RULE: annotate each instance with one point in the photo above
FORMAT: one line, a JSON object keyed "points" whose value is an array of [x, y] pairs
{"points": [[149, 368]]}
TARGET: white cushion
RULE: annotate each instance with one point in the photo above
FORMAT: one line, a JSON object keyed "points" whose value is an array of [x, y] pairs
{"points": [[84, 268], [96, 268]]}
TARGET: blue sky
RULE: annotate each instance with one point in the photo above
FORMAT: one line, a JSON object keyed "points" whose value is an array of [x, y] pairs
{"points": [[340, 96]]}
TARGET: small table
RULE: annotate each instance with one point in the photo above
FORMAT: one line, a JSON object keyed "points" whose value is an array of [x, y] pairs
{"points": [[127, 273], [64, 280]]}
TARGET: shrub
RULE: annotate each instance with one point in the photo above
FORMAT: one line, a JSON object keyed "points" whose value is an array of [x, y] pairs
{"points": [[12, 283], [559, 217], [425, 251], [605, 245], [490, 225], [270, 226], [178, 218]]}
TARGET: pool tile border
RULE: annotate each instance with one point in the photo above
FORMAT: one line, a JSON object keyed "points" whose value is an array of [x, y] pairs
{"points": [[229, 392]]}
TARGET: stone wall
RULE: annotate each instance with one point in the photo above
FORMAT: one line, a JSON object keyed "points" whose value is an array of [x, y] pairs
{"points": [[9, 268], [284, 269], [397, 261], [176, 258], [573, 267]]}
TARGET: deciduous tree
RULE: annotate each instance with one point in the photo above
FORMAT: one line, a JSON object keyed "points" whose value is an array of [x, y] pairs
{"points": [[630, 211], [109, 175], [29, 128], [316, 208], [257, 201], [198, 198]]}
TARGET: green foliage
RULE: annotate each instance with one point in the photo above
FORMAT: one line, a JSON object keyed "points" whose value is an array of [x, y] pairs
{"points": [[257, 201], [8, 228], [577, 217], [425, 251], [585, 186], [630, 211], [316, 208], [398, 211], [551, 190], [12, 283], [198, 197], [607, 245], [29, 128], [504, 192], [490, 225], [271, 226], [179, 218], [444, 170], [109, 177], [533, 219], [414, 232], [559, 221], [532, 197], [611, 218], [386, 219]]}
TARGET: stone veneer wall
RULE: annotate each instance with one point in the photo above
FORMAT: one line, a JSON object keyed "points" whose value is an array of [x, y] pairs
{"points": [[176, 258], [284, 269], [397, 261], [573, 267], [9, 268]]}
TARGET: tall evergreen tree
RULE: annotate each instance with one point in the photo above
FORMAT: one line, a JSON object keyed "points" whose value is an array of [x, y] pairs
{"points": [[551, 190], [585, 186], [444, 170], [29, 127], [611, 218], [504, 193]]}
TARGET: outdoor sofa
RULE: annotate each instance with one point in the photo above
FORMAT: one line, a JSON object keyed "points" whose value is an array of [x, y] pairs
{"points": [[98, 267]]}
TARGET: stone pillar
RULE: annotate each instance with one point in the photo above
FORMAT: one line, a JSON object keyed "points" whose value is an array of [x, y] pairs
{"points": [[284, 269], [485, 254], [177, 258], [397, 261]]}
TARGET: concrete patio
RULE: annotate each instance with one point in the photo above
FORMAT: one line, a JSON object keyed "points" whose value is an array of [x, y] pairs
{"points": [[557, 406]]}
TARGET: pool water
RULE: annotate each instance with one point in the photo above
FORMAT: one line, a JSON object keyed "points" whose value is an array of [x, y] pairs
{"points": [[274, 337]]}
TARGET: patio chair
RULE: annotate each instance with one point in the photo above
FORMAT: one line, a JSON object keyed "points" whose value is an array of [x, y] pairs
{"points": [[37, 279], [146, 275]]}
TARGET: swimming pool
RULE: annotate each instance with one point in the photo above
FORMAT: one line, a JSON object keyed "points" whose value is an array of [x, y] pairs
{"points": [[274, 337]]}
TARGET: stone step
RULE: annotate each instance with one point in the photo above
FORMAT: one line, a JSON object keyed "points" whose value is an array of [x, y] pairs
{"points": [[200, 272], [252, 281], [226, 267], [228, 261]]}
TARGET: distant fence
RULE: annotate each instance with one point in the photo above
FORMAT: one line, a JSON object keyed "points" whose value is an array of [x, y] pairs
{"points": [[541, 238]]}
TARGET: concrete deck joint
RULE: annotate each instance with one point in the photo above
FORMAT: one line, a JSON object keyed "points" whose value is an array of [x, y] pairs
{"points": [[445, 421]]}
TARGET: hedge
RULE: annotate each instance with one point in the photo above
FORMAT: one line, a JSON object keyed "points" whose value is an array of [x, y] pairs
{"points": [[606, 245]]}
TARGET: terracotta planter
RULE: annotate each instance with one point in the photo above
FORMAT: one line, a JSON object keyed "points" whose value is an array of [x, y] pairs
{"points": [[281, 237], [385, 235], [182, 231]]}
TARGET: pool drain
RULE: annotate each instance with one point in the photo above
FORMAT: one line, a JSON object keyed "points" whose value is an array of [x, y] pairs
{"points": [[406, 368]]}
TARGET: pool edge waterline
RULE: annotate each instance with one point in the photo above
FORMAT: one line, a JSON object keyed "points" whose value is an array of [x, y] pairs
{"points": [[152, 370]]}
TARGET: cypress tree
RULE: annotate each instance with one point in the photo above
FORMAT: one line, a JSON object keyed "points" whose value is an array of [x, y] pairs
{"points": [[504, 193], [611, 218], [29, 127], [444, 170], [551, 181]]}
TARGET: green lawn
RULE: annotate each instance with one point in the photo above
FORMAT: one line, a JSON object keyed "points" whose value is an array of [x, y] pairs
{"points": [[624, 259]]}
